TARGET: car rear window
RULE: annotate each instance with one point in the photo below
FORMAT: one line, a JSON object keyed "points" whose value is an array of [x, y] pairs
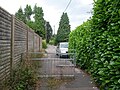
{"points": [[64, 45]]}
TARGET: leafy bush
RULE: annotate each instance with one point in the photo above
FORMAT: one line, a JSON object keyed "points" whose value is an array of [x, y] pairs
{"points": [[44, 44], [98, 44], [23, 78], [52, 41], [80, 41]]}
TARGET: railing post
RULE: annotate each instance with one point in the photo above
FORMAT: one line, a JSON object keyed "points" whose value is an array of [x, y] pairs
{"points": [[12, 44]]}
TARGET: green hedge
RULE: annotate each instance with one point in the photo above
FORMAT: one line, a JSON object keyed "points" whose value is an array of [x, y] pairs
{"points": [[79, 40], [97, 43]]}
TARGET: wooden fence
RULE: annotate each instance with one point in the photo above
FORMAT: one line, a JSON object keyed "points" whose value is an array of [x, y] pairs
{"points": [[15, 39]]}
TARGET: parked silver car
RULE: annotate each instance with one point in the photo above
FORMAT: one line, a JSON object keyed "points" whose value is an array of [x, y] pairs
{"points": [[62, 49]]}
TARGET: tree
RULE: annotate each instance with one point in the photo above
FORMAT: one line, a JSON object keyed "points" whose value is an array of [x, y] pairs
{"points": [[48, 32], [28, 12], [20, 15], [39, 21], [31, 24], [38, 24], [64, 29]]}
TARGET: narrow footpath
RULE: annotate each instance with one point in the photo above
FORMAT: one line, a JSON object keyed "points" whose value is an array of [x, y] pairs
{"points": [[82, 81]]}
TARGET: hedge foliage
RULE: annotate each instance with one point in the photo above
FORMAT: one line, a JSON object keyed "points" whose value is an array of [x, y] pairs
{"points": [[97, 43]]}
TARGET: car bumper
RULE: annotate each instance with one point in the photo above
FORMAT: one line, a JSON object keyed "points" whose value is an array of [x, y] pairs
{"points": [[64, 55]]}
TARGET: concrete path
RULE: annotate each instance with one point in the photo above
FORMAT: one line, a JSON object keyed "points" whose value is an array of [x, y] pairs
{"points": [[81, 81], [51, 65]]}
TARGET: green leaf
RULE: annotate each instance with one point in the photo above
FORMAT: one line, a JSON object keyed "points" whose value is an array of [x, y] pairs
{"points": [[115, 57]]}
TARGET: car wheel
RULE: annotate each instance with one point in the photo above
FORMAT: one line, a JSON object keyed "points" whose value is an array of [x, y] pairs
{"points": [[60, 56]]}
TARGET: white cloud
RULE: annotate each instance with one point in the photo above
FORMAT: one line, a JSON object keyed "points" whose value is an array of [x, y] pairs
{"points": [[53, 9], [78, 20], [84, 2], [79, 12], [52, 15]]}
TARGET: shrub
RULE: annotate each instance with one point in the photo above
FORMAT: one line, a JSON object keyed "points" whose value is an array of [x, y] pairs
{"points": [[44, 44], [98, 44], [80, 41], [52, 41], [23, 78]]}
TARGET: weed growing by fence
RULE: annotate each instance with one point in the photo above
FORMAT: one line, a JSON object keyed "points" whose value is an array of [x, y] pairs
{"points": [[23, 78]]}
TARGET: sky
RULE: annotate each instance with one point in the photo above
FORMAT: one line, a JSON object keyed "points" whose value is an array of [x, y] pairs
{"points": [[78, 11]]}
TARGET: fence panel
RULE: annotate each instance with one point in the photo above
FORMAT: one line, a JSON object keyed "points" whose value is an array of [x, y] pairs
{"points": [[36, 43], [15, 39], [20, 41], [5, 38], [30, 40]]}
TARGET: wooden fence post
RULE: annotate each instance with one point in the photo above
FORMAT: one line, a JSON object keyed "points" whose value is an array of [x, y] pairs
{"points": [[27, 40], [33, 42], [39, 43], [26, 53], [12, 44]]}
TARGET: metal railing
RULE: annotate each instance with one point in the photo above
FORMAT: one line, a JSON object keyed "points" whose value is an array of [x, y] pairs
{"points": [[50, 65]]}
